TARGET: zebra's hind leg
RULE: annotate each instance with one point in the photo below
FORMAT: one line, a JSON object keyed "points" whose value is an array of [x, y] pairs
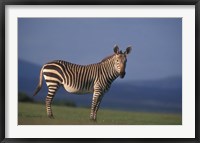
{"points": [[51, 93]]}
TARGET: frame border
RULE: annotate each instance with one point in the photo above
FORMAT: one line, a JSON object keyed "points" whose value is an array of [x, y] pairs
{"points": [[3, 4]]}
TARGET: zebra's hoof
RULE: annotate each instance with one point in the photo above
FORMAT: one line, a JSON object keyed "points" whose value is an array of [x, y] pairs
{"points": [[51, 116], [93, 120]]}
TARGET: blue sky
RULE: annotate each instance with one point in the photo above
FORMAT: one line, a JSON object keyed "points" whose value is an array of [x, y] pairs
{"points": [[156, 42]]}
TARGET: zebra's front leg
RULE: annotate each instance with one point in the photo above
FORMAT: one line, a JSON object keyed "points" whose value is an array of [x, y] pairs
{"points": [[97, 106], [96, 100]]}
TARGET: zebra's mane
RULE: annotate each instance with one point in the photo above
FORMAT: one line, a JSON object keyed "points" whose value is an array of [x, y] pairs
{"points": [[108, 57]]}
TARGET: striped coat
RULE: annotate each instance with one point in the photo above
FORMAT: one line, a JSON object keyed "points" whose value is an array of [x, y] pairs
{"points": [[80, 79]]}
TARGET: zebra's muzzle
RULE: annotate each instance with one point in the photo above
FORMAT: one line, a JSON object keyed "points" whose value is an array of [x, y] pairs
{"points": [[122, 74]]}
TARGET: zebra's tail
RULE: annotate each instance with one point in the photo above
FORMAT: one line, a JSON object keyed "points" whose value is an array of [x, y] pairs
{"points": [[39, 84]]}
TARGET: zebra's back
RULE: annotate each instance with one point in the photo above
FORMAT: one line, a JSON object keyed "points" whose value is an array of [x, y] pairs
{"points": [[75, 78]]}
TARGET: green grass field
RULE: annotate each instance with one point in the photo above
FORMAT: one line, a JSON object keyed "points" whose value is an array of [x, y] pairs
{"points": [[35, 114]]}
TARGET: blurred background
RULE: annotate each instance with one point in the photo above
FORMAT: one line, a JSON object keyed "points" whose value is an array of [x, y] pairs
{"points": [[153, 81]]}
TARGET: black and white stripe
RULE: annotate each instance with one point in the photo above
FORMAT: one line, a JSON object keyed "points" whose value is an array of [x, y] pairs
{"points": [[79, 79]]}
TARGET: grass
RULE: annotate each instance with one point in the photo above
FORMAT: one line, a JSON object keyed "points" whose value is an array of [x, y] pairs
{"points": [[35, 114]]}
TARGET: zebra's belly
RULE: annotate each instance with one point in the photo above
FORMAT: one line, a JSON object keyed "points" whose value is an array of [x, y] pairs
{"points": [[75, 90]]}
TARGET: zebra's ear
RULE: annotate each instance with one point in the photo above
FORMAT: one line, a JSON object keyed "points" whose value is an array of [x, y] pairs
{"points": [[128, 50], [116, 49]]}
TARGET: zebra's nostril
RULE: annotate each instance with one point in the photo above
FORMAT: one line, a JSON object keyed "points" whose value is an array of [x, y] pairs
{"points": [[122, 74]]}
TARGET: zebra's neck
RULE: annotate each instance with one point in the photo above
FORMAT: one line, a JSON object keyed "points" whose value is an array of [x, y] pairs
{"points": [[108, 69]]}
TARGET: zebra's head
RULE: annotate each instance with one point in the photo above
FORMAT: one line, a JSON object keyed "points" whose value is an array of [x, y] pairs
{"points": [[120, 59]]}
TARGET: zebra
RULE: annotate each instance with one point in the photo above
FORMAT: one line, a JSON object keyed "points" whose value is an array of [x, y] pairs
{"points": [[81, 79]]}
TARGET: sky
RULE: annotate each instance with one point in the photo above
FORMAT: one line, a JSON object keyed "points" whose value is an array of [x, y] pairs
{"points": [[156, 43]]}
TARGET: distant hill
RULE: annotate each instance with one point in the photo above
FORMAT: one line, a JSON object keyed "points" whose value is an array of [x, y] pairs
{"points": [[163, 95]]}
